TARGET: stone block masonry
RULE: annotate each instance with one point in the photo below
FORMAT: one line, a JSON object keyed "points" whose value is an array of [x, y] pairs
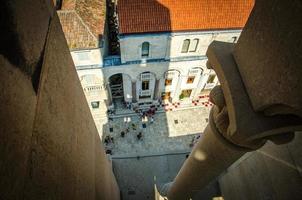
{"points": [[49, 146]]}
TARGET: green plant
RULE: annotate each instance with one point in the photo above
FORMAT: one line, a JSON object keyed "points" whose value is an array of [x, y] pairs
{"points": [[181, 96]]}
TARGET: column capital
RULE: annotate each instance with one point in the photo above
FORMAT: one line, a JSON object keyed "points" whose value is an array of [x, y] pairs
{"points": [[247, 127]]}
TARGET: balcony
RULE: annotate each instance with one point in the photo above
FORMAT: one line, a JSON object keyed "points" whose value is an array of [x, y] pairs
{"points": [[145, 93], [112, 61], [209, 86]]}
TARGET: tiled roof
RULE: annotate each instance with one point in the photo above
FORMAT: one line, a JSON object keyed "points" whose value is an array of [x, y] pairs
{"points": [[93, 15], [138, 16], [83, 22], [76, 32]]}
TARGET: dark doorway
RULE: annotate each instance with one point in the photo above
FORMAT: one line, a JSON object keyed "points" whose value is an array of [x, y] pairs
{"points": [[117, 90], [116, 87]]}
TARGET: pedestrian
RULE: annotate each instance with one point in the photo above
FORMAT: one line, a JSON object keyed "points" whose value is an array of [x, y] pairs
{"points": [[139, 135], [151, 119], [106, 140], [122, 134], [112, 139]]}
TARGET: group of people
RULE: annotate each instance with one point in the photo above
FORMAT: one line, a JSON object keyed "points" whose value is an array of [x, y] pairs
{"points": [[139, 135], [109, 140], [145, 116]]}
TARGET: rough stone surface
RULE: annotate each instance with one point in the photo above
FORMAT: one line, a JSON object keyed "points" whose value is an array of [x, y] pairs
{"points": [[269, 58], [49, 145], [18, 102], [240, 111], [137, 177], [23, 41], [162, 136], [272, 172]]}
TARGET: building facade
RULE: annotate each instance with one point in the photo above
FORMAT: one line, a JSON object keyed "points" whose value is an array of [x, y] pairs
{"points": [[161, 56]]}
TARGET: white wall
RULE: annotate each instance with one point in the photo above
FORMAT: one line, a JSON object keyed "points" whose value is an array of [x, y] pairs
{"points": [[127, 87], [92, 81], [88, 57], [131, 47], [163, 45]]}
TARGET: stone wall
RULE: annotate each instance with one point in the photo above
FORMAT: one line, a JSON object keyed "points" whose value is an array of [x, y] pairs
{"points": [[272, 172], [49, 145], [169, 45]]}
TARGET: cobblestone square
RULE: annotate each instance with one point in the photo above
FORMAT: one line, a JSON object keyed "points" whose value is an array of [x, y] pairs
{"points": [[170, 132]]}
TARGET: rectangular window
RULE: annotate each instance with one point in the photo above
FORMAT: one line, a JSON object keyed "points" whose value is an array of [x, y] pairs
{"points": [[194, 45], [211, 78], [185, 46], [145, 49], [95, 104], [168, 82], [186, 93], [166, 95], [190, 79], [145, 85]]}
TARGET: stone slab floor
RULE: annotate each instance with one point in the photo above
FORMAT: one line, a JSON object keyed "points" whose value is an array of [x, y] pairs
{"points": [[171, 132], [137, 177]]}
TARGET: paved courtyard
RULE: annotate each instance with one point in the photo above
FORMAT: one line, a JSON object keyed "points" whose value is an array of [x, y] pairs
{"points": [[137, 177], [170, 132]]}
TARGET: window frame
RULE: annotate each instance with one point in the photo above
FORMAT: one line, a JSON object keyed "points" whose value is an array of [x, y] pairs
{"points": [[189, 79], [145, 50], [196, 45], [168, 81], [95, 106], [145, 83], [185, 49], [185, 92]]}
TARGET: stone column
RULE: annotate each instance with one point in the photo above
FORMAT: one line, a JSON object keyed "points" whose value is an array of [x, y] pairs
{"points": [[108, 89], [156, 88], [199, 84], [208, 159], [260, 97], [134, 100], [178, 88]]}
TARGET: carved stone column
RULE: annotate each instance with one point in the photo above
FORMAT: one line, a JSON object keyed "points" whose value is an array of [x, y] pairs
{"points": [[156, 87], [260, 97], [133, 91]]}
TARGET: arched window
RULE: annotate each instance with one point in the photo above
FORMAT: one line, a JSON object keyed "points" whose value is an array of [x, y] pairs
{"points": [[194, 45], [185, 46], [145, 49]]}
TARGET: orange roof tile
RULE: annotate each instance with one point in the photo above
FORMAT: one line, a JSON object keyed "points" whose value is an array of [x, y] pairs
{"points": [[138, 16], [83, 22]]}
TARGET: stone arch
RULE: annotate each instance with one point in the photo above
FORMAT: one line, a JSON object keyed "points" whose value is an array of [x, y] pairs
{"points": [[119, 87], [146, 86]]}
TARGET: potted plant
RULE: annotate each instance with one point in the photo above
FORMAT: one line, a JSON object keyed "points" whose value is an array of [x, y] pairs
{"points": [[181, 96]]}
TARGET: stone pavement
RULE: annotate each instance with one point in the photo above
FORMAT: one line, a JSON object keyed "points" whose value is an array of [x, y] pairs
{"points": [[171, 131], [137, 177]]}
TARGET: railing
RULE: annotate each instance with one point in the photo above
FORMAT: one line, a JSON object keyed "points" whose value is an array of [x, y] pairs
{"points": [[116, 60], [112, 61], [145, 93], [209, 86], [81, 67]]}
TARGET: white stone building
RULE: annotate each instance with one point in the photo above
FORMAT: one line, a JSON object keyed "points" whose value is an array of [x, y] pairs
{"points": [[162, 52]]}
